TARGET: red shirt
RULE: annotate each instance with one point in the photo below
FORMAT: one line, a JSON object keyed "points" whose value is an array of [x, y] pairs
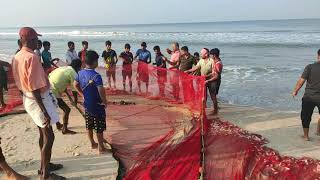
{"points": [[217, 67]]}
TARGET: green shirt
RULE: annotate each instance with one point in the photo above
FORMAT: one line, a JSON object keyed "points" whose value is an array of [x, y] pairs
{"points": [[205, 67], [46, 57], [62, 78]]}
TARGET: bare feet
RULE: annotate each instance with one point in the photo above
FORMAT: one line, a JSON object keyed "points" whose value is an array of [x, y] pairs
{"points": [[306, 138], [15, 176], [103, 150], [67, 131], [94, 146], [59, 126]]}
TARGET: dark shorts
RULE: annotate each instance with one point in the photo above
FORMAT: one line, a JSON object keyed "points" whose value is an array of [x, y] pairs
{"points": [[98, 124], [127, 71], [214, 87], [307, 109], [111, 71]]}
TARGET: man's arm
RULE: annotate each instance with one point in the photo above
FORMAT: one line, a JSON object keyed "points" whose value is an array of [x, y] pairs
{"points": [[76, 85], [68, 58], [38, 98], [116, 57], [296, 90], [149, 59], [193, 69], [102, 94]]}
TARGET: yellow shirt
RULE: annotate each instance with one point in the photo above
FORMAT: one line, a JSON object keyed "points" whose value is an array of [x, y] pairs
{"points": [[62, 78]]}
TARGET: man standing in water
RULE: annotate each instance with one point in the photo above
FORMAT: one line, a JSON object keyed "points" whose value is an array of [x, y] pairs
{"points": [[311, 97], [144, 58], [174, 64], [38, 101], [205, 67]]}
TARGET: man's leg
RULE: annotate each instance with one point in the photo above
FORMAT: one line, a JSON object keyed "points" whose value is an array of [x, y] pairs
{"points": [[2, 104], [124, 78], [89, 127], [114, 78], [318, 126], [66, 112], [10, 173], [306, 115], [130, 83], [109, 78], [99, 128], [48, 139], [40, 147]]}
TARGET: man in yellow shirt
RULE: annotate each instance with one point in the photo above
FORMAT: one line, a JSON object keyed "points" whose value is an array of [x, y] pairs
{"points": [[60, 79]]}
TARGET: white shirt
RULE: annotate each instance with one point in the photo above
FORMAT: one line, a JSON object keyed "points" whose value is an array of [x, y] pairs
{"points": [[37, 51], [70, 56]]}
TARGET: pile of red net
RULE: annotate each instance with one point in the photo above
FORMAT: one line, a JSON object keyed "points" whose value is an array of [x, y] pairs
{"points": [[13, 98], [160, 134]]}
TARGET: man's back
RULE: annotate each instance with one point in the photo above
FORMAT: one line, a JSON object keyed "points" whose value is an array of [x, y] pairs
{"points": [[61, 78], [186, 63], [28, 72], [89, 81], [312, 75]]}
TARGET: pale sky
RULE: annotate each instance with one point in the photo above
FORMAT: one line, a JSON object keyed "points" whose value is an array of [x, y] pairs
{"points": [[15, 13]]}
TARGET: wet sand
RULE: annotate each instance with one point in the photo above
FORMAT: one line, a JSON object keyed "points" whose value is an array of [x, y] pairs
{"points": [[282, 129]]}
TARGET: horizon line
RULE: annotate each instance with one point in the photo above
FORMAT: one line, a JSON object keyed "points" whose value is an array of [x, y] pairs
{"points": [[170, 23]]}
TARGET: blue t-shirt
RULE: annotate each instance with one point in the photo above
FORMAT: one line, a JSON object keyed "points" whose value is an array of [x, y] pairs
{"points": [[92, 101], [143, 55]]}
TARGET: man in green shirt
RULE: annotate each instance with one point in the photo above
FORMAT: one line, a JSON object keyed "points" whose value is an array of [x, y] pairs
{"points": [[205, 66], [46, 57], [60, 79]]}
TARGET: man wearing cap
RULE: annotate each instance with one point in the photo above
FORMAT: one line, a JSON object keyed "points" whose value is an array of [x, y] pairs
{"points": [[144, 58], [38, 101]]}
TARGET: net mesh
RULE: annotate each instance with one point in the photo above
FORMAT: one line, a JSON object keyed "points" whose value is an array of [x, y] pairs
{"points": [[163, 133]]}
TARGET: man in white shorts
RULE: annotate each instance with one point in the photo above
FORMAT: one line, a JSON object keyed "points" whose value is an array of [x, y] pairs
{"points": [[38, 101]]}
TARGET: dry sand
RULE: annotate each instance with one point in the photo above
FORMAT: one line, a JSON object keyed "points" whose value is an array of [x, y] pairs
{"points": [[20, 147]]}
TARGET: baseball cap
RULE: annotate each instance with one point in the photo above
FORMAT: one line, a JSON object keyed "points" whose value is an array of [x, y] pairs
{"points": [[28, 33], [144, 44]]}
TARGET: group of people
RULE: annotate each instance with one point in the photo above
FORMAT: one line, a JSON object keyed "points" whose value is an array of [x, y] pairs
{"points": [[42, 84]]}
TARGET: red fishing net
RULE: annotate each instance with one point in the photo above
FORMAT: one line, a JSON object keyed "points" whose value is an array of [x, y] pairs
{"points": [[160, 134], [13, 98]]}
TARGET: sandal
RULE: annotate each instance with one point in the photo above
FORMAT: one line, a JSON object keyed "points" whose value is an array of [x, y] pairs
{"points": [[52, 167]]}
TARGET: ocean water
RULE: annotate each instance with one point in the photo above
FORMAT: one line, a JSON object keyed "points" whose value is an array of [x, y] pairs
{"points": [[262, 59]]}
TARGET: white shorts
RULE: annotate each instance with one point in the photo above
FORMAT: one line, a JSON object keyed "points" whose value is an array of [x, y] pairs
{"points": [[33, 109]]}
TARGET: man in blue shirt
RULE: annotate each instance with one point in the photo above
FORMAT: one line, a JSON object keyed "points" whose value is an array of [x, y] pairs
{"points": [[89, 84], [144, 58]]}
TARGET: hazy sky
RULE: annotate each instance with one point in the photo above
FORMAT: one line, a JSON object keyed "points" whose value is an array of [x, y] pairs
{"points": [[103, 12]]}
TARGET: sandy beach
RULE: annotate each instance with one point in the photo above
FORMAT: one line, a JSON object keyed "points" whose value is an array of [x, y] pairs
{"points": [[20, 136], [20, 146], [282, 129]]}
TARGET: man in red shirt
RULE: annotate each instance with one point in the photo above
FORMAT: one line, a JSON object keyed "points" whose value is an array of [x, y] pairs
{"points": [[214, 80], [82, 54]]}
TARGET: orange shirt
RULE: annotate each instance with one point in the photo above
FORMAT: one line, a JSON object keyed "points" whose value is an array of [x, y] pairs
{"points": [[28, 71]]}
